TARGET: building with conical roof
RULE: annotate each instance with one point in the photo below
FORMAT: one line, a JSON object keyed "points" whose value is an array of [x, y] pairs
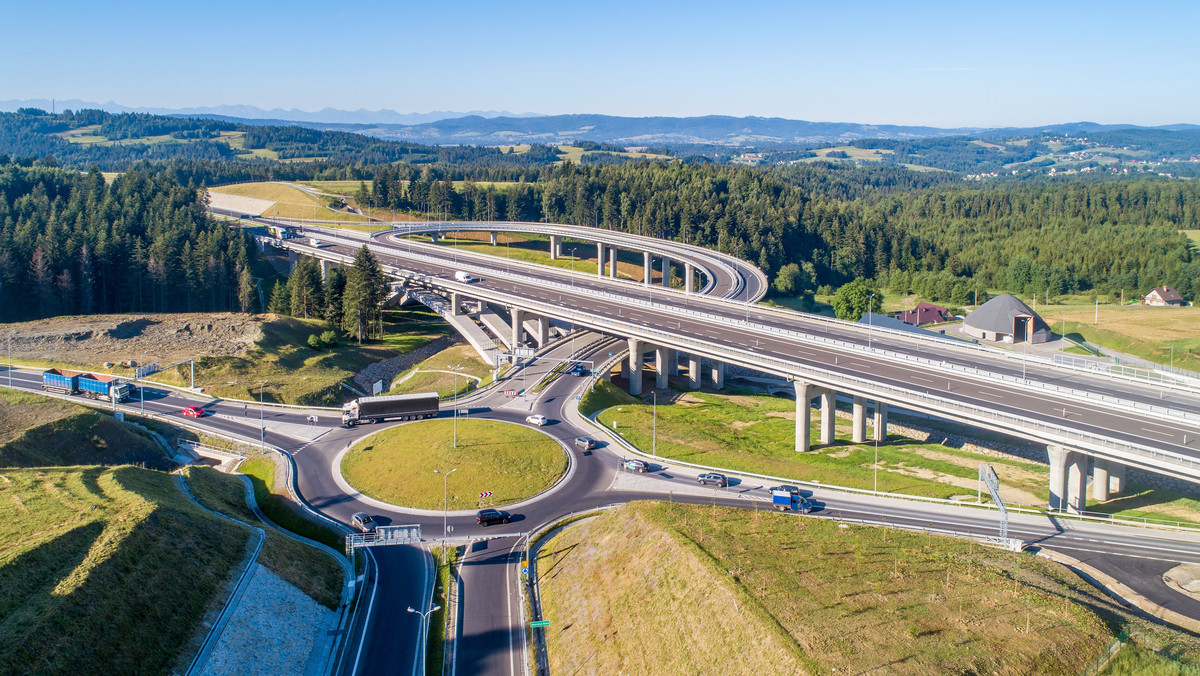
{"points": [[1005, 319]]}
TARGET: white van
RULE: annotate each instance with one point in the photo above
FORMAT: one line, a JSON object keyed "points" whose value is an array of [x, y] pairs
{"points": [[313, 241], [464, 277]]}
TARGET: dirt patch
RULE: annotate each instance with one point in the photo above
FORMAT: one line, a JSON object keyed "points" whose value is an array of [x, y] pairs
{"points": [[1011, 473], [786, 415], [742, 424], [1184, 578], [1007, 493], [93, 341]]}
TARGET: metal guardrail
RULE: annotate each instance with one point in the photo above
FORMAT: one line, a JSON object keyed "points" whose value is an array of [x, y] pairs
{"points": [[937, 404]]}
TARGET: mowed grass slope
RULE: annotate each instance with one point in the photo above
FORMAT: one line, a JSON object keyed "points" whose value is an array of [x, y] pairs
{"points": [[105, 570], [396, 465], [297, 373], [310, 569], [437, 373], [37, 431], [662, 588], [290, 201]]}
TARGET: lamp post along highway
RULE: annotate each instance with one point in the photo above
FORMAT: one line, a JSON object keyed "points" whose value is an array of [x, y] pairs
{"points": [[654, 425], [445, 503], [424, 629], [456, 368], [262, 426], [10, 337], [870, 318]]}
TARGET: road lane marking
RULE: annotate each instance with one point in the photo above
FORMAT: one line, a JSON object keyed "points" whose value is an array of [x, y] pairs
{"points": [[367, 620], [1169, 435]]}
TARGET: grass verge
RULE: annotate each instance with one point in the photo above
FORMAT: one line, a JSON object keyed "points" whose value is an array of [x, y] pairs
{"points": [[435, 374], [396, 465], [602, 395], [310, 569], [106, 569], [274, 501], [444, 560], [773, 593]]}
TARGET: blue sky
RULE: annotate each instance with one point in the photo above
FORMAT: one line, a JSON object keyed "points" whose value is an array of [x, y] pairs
{"points": [[932, 63]]}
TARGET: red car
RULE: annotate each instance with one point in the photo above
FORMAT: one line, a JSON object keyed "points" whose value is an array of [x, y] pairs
{"points": [[193, 411]]}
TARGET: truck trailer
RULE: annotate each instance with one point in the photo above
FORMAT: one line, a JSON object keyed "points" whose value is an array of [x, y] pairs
{"points": [[393, 406], [90, 385]]}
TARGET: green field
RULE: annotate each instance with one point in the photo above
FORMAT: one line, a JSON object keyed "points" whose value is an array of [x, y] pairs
{"points": [[105, 566], [271, 495], [756, 434], [298, 374], [290, 201], [311, 570], [512, 461], [436, 375], [771, 593]]}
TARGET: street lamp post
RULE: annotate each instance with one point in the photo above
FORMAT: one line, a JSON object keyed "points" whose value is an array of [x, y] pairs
{"points": [[456, 368], [870, 318], [445, 502], [654, 425], [877, 458], [10, 337], [573, 267], [142, 386], [424, 628], [262, 426]]}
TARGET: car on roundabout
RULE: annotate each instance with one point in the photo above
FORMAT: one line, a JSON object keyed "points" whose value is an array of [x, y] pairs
{"points": [[585, 443], [713, 478], [192, 412], [363, 522], [537, 419], [487, 517]]}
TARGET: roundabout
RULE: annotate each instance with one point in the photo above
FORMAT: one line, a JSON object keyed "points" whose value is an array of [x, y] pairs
{"points": [[396, 466]]}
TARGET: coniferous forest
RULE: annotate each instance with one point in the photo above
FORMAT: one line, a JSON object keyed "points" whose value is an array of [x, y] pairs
{"points": [[72, 243]]}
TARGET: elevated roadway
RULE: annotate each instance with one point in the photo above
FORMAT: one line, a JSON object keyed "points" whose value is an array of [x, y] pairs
{"points": [[1079, 414]]}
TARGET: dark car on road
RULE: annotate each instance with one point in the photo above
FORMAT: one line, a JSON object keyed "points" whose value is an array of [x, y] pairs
{"points": [[794, 490], [713, 478], [635, 465], [363, 522], [487, 517]]}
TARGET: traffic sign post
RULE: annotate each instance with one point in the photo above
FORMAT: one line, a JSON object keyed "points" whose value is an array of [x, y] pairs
{"points": [[540, 623]]}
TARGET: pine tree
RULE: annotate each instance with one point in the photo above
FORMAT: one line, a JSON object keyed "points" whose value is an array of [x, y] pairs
{"points": [[365, 289], [281, 298], [246, 289]]}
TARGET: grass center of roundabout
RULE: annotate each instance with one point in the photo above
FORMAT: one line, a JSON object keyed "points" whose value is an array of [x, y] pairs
{"points": [[397, 465]]}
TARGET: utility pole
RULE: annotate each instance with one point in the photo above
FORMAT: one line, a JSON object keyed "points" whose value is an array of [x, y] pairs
{"points": [[10, 337], [262, 426], [445, 503]]}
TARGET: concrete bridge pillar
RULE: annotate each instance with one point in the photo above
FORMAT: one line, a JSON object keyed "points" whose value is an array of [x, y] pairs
{"points": [[555, 245], [666, 272], [828, 416], [880, 421], [518, 326], [1068, 479], [672, 362], [612, 262], [495, 239], [635, 366], [455, 304], [858, 431], [291, 261], [647, 269], [326, 266], [1116, 477], [543, 329], [1100, 480], [803, 393], [600, 248], [660, 367], [718, 375], [689, 277], [694, 374], [434, 237]]}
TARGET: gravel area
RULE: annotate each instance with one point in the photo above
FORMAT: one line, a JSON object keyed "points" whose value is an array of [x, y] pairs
{"points": [[272, 631], [388, 369]]}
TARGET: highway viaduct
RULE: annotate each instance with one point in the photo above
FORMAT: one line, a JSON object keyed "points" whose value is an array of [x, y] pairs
{"points": [[1114, 421]]}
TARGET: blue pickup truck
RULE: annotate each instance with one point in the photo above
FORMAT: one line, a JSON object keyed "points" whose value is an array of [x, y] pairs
{"points": [[90, 385]]}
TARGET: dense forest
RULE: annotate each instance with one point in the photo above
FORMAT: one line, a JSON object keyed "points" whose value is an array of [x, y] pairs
{"points": [[72, 244], [143, 241]]}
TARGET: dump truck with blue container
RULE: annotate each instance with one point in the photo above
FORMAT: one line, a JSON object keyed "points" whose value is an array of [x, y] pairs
{"points": [[90, 385]]}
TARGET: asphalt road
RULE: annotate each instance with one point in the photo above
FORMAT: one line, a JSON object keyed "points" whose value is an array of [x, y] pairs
{"points": [[726, 325]]}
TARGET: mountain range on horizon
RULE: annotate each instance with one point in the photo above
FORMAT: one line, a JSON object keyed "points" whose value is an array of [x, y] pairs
{"points": [[502, 127], [246, 112]]}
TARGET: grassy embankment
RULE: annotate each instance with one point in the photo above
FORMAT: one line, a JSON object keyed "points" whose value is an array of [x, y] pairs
{"points": [[297, 373], [290, 201], [267, 477], [1146, 332], [756, 434], [98, 566], [311, 570], [435, 375], [396, 465], [444, 560], [720, 590]]}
